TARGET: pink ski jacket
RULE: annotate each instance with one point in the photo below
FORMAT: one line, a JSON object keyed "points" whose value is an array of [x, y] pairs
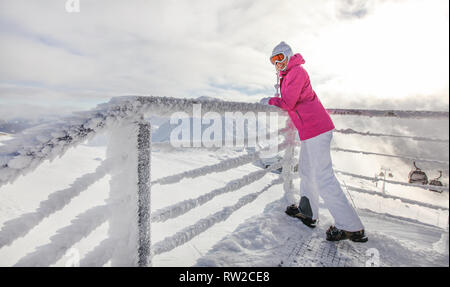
{"points": [[301, 102]]}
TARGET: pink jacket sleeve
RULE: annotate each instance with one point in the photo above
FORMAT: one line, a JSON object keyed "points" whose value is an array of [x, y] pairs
{"points": [[291, 91]]}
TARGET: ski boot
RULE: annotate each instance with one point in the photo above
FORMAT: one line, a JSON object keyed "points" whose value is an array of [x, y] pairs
{"points": [[292, 210], [335, 234]]}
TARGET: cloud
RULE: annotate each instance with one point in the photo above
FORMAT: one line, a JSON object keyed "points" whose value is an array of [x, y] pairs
{"points": [[353, 8], [355, 51]]}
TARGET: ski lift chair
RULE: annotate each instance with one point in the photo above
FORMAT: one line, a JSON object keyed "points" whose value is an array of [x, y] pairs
{"points": [[437, 182], [417, 176]]}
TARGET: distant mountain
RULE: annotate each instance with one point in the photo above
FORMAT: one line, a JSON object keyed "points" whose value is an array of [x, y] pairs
{"points": [[16, 125], [206, 98]]}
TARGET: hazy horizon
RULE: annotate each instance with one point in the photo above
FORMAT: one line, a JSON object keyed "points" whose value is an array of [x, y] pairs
{"points": [[370, 54]]}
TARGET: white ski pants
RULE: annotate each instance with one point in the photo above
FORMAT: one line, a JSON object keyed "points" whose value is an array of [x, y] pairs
{"points": [[317, 178]]}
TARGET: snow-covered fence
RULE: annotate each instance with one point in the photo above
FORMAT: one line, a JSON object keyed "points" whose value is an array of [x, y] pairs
{"points": [[28, 150], [128, 162]]}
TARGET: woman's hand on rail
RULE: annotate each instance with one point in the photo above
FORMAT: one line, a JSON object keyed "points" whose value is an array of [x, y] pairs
{"points": [[275, 101]]}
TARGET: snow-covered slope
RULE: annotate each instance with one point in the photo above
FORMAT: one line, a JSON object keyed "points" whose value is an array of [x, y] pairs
{"points": [[259, 233]]}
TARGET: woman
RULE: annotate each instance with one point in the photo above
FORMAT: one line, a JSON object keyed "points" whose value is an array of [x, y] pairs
{"points": [[315, 129]]}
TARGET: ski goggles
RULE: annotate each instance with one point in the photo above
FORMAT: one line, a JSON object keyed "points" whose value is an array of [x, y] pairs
{"points": [[277, 58]]}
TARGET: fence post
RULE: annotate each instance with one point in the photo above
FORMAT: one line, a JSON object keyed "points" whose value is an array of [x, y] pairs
{"points": [[143, 170], [289, 157], [129, 202]]}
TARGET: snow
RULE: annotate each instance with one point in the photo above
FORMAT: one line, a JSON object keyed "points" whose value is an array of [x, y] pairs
{"points": [[442, 245], [214, 207], [204, 224], [5, 137], [48, 197], [123, 200], [262, 244], [31, 148], [270, 239], [28, 150], [221, 166], [20, 226], [66, 237], [183, 207], [100, 255]]}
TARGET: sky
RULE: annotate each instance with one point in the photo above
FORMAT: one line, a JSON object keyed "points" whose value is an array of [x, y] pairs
{"points": [[379, 54]]}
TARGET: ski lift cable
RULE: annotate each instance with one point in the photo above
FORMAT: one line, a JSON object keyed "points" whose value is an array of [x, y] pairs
{"points": [[440, 188], [351, 131], [391, 155], [443, 188], [402, 199], [390, 113]]}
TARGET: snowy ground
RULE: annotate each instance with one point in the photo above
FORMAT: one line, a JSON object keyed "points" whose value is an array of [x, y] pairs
{"points": [[17, 199], [260, 234], [274, 239]]}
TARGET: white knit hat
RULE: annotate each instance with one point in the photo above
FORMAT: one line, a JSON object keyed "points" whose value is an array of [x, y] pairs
{"points": [[282, 48]]}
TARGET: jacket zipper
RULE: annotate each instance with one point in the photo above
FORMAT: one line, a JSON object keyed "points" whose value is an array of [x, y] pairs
{"points": [[299, 116]]}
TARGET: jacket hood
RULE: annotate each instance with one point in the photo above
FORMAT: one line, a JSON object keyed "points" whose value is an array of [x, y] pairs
{"points": [[295, 60]]}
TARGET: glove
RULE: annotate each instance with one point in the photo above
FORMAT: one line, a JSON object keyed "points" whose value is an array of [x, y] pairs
{"points": [[274, 101], [264, 101]]}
